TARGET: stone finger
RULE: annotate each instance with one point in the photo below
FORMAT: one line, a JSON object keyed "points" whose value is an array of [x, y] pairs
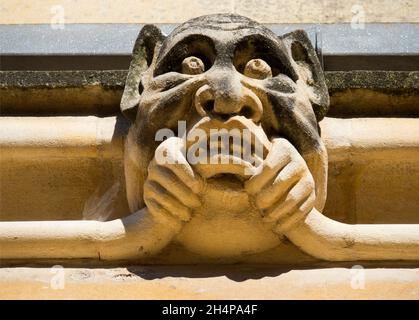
{"points": [[288, 176], [154, 191], [298, 193], [168, 180]]}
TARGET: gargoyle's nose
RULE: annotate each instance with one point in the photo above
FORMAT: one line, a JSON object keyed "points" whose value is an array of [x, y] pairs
{"points": [[225, 96]]}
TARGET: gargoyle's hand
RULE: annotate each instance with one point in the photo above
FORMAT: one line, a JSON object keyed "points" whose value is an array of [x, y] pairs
{"points": [[172, 188], [283, 187]]}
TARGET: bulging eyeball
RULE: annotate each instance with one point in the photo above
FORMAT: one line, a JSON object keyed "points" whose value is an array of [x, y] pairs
{"points": [[192, 65], [257, 69]]}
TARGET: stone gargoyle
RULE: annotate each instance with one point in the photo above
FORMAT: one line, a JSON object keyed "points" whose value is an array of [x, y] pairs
{"points": [[230, 74]]}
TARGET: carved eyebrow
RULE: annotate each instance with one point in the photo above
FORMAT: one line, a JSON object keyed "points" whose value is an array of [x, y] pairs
{"points": [[261, 35], [169, 59]]}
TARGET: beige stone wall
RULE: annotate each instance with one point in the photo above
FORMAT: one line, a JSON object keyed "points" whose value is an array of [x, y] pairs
{"points": [[66, 162], [173, 11]]}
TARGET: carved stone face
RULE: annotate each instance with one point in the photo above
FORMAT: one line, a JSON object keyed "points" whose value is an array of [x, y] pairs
{"points": [[222, 66]]}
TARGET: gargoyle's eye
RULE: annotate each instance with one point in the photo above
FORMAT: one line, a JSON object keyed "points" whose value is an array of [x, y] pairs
{"points": [[257, 69], [259, 57], [192, 65]]}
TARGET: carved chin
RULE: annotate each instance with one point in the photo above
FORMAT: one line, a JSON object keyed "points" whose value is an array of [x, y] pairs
{"points": [[227, 224]]}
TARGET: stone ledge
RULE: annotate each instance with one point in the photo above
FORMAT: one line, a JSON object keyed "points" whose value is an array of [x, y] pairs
{"points": [[353, 93], [354, 140], [215, 282], [115, 79]]}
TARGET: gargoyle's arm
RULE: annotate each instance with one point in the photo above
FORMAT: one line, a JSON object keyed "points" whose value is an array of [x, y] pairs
{"points": [[136, 236], [331, 240]]}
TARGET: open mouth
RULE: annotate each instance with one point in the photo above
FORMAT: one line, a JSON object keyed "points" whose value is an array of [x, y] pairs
{"points": [[235, 146]]}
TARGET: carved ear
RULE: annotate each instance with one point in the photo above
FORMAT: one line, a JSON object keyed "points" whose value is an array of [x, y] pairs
{"points": [[308, 69], [142, 56]]}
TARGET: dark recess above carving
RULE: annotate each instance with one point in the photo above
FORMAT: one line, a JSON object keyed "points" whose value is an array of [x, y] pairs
{"points": [[108, 46]]}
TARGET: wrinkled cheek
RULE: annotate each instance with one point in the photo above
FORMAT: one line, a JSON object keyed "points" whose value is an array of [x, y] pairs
{"points": [[276, 110], [168, 111], [295, 121]]}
